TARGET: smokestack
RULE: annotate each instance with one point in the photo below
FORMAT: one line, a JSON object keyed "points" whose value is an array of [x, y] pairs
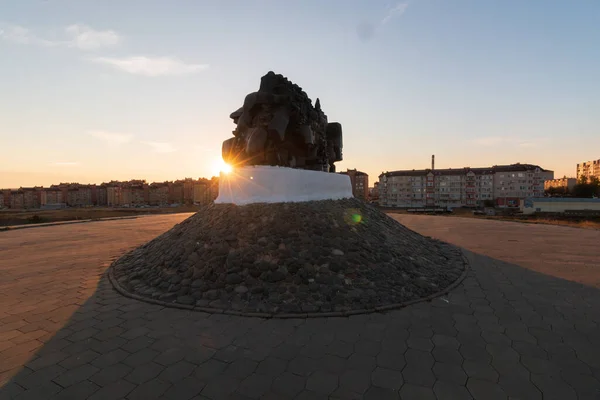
{"points": [[433, 162]]}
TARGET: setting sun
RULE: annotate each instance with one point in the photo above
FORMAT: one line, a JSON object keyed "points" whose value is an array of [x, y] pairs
{"points": [[221, 166]]}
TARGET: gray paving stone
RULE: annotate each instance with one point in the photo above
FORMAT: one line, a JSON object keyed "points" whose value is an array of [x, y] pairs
{"points": [[302, 366], [387, 378], [40, 377], [322, 382], [391, 361], [145, 372], [378, 393], [353, 381], [272, 366], [367, 347], [288, 385], [519, 388], [481, 389], [110, 358], [418, 376], [85, 357], [42, 391], [116, 390], [451, 373], [176, 372], [447, 354], [110, 374], [81, 390], [340, 349], [140, 357], [445, 340], [210, 369], [361, 362], [220, 387], [450, 391], [75, 375], [474, 353], [185, 389], [149, 390], [137, 344], [418, 359], [410, 392], [479, 370], [553, 388]]}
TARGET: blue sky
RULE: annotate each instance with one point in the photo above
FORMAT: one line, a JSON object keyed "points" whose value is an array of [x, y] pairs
{"points": [[98, 90]]}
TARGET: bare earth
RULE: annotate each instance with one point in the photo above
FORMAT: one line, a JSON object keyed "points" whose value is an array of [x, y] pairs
{"points": [[504, 332], [564, 252]]}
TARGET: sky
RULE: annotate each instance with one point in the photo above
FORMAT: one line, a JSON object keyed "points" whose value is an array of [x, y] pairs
{"points": [[92, 91]]}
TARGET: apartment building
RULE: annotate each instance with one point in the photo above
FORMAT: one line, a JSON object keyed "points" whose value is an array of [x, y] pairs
{"points": [[1, 199], [360, 183], [158, 194], [101, 196], [52, 196], [202, 193], [588, 169], [79, 196], [17, 199], [565, 184], [31, 197], [505, 185], [176, 192]]}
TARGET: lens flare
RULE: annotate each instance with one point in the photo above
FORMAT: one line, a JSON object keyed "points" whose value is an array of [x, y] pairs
{"points": [[356, 218]]}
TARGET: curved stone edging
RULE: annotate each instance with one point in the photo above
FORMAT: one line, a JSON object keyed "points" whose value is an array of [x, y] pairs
{"points": [[211, 310]]}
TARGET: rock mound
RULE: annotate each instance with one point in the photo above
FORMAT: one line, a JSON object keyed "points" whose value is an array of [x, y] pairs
{"points": [[310, 257]]}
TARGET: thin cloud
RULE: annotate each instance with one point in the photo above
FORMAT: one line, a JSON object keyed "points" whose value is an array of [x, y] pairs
{"points": [[78, 36], [151, 66], [85, 38], [509, 141], [112, 138], [65, 163], [161, 147], [366, 30], [22, 35], [490, 141], [395, 11]]}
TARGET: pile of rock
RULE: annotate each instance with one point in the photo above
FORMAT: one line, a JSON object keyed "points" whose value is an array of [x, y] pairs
{"points": [[311, 257]]}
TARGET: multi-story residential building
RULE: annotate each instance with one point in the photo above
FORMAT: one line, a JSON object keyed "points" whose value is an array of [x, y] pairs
{"points": [[202, 193], [505, 185], [101, 196], [360, 183], [79, 196], [31, 197], [159, 194], [113, 195], [565, 184], [1, 199], [17, 199], [52, 197], [176, 192], [588, 169]]}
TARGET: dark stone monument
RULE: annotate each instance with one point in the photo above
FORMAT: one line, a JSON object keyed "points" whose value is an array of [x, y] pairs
{"points": [[278, 125]]}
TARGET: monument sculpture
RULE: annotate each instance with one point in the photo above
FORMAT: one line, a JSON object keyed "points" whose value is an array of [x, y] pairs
{"points": [[285, 237], [278, 126]]}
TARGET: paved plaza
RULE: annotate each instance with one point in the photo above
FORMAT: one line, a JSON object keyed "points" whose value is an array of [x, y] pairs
{"points": [[522, 327]]}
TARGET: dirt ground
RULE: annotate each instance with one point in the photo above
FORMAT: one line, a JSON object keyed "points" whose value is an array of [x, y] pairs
{"points": [[564, 252], [19, 217]]}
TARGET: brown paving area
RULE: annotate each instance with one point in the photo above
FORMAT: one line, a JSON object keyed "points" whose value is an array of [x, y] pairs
{"points": [[47, 273], [505, 332], [564, 252]]}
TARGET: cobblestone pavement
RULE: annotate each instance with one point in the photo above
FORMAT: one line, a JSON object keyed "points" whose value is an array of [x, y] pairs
{"points": [[505, 332], [561, 251]]}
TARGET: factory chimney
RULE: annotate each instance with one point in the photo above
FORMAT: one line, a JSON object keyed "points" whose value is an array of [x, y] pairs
{"points": [[433, 162]]}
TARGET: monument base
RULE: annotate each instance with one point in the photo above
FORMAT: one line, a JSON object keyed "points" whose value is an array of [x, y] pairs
{"points": [[266, 184]]}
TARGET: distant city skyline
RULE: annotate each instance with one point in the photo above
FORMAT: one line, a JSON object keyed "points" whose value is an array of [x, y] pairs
{"points": [[93, 92]]}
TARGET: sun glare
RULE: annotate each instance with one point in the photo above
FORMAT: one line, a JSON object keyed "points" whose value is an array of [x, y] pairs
{"points": [[222, 166]]}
